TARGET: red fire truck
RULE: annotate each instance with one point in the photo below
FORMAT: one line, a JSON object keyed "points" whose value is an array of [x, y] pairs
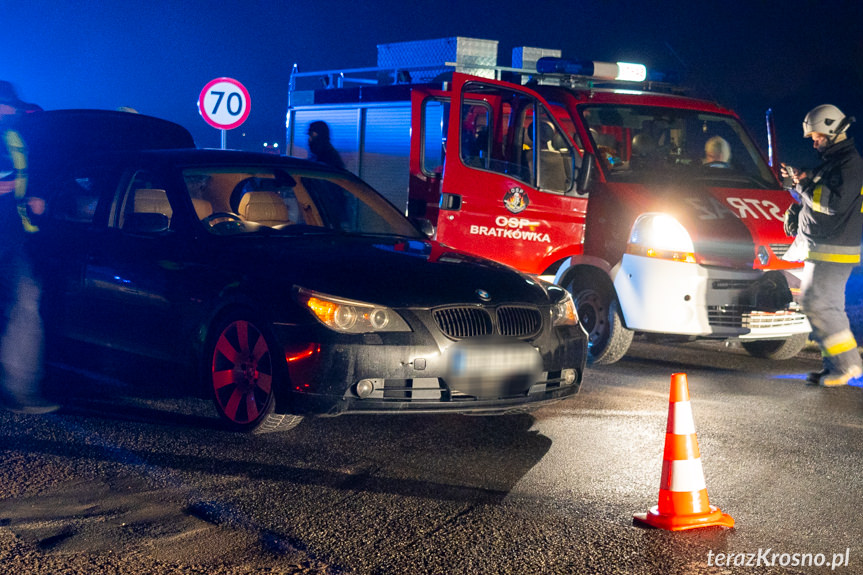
{"points": [[656, 210]]}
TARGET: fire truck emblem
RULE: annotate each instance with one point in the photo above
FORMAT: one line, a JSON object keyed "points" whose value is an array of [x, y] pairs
{"points": [[515, 200]]}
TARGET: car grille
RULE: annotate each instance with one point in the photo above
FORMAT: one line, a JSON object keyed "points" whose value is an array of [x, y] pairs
{"points": [[518, 321], [474, 321]]}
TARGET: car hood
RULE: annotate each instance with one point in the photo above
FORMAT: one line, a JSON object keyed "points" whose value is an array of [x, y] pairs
{"points": [[396, 272]]}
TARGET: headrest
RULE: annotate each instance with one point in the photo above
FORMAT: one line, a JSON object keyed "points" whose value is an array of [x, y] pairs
{"points": [[263, 207], [152, 201]]}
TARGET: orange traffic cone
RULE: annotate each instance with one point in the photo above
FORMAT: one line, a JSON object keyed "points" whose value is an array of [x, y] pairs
{"points": [[683, 501]]}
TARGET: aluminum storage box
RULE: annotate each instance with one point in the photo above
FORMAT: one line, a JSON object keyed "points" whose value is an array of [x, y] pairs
{"points": [[470, 54], [525, 57]]}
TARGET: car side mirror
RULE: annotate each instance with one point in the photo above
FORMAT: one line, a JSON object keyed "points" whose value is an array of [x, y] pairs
{"points": [[424, 225], [143, 222]]}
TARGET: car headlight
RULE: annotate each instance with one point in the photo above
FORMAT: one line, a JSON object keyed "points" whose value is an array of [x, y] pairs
{"points": [[348, 316], [658, 235], [564, 312]]}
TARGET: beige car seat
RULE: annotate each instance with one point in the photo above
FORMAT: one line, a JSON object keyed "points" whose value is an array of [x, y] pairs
{"points": [[266, 208]]}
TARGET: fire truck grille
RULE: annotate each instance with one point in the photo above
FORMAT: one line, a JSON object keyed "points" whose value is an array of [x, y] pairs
{"points": [[745, 317], [466, 322], [779, 249]]}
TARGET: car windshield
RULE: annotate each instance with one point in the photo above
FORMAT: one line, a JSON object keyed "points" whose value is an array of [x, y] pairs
{"points": [[642, 143], [236, 200]]}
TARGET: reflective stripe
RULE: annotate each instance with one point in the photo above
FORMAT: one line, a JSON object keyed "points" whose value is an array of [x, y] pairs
{"points": [[816, 199], [834, 253], [18, 153], [834, 258], [840, 343], [683, 475], [680, 421]]}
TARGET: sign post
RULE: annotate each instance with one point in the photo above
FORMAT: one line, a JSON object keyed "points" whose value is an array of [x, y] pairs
{"points": [[224, 103]]}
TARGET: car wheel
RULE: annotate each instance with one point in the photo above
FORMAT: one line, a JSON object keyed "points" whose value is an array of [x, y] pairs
{"points": [[243, 372], [776, 348], [607, 338]]}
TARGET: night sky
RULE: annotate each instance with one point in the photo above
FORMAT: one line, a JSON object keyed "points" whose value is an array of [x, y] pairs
{"points": [[157, 56]]}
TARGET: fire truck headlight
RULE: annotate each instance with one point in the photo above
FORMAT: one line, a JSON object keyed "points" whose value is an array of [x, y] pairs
{"points": [[659, 235], [348, 316]]}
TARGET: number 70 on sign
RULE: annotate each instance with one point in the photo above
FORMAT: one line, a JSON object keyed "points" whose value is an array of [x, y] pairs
{"points": [[224, 103]]}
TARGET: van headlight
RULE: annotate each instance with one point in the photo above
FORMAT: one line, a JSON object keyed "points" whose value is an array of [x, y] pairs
{"points": [[658, 235], [349, 316]]}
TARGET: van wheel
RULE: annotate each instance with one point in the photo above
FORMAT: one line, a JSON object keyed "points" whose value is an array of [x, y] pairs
{"points": [[242, 372], [776, 348], [607, 338]]}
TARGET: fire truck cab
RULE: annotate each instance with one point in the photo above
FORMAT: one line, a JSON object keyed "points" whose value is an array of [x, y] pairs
{"points": [[656, 210]]}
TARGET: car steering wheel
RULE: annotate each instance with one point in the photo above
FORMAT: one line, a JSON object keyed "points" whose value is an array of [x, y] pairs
{"points": [[227, 221]]}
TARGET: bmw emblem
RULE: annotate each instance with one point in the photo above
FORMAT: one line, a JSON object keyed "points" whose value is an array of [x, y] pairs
{"points": [[483, 295]]}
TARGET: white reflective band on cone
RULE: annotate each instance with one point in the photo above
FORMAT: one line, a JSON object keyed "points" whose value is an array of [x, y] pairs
{"points": [[685, 475], [682, 418]]}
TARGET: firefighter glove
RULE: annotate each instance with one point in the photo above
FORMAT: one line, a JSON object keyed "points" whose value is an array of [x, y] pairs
{"points": [[791, 215]]}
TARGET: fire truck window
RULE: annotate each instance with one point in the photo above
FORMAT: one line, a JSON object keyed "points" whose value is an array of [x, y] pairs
{"points": [[435, 120], [554, 153], [494, 125], [475, 141], [640, 143]]}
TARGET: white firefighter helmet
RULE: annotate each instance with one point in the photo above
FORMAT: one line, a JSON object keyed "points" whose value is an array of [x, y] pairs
{"points": [[825, 119]]}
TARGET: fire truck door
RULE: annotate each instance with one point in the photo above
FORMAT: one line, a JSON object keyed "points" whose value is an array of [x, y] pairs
{"points": [[509, 177]]}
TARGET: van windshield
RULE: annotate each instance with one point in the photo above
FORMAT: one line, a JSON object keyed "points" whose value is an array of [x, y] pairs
{"points": [[642, 143]]}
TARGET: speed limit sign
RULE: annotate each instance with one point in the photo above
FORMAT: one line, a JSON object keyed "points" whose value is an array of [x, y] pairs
{"points": [[224, 103]]}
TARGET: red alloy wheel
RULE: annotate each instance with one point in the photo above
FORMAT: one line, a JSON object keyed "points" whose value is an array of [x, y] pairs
{"points": [[242, 374]]}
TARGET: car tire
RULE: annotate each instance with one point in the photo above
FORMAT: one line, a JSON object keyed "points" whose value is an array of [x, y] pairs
{"points": [[608, 340], [243, 372], [776, 348]]}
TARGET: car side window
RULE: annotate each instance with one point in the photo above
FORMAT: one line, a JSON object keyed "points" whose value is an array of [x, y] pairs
{"points": [[145, 204], [76, 197]]}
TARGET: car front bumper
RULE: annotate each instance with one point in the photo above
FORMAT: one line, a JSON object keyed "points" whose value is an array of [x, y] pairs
{"points": [[396, 373]]}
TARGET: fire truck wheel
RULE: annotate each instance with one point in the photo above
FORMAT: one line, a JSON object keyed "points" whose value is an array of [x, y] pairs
{"points": [[776, 348], [608, 339]]}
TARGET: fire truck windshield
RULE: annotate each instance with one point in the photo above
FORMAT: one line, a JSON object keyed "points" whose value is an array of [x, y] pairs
{"points": [[642, 143]]}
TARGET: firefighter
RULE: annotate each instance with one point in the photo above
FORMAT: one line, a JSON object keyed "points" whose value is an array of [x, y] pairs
{"points": [[321, 148], [829, 226], [21, 336]]}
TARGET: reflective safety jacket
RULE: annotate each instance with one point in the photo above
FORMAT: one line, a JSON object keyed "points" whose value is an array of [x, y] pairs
{"points": [[18, 154], [831, 221]]}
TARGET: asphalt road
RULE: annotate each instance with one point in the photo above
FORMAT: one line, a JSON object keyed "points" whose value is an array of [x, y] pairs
{"points": [[124, 480]]}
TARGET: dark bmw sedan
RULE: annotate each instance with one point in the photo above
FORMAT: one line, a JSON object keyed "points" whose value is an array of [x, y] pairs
{"points": [[291, 288]]}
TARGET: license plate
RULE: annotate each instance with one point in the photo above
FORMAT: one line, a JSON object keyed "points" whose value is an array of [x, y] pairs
{"points": [[494, 360]]}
